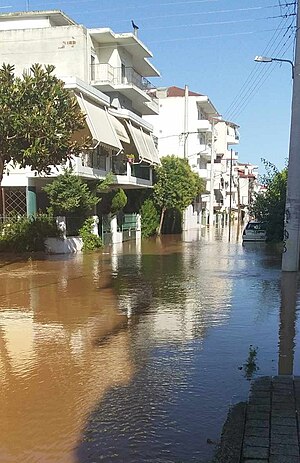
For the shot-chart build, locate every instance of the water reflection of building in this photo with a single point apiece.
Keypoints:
(61, 349)
(184, 292)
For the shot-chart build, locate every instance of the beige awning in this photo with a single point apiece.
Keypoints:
(151, 148)
(120, 129)
(99, 123)
(144, 144)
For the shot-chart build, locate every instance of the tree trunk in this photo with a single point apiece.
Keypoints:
(1, 169)
(173, 222)
(161, 220)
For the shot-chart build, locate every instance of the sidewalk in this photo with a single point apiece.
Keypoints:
(266, 428)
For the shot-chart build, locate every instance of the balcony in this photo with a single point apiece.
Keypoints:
(233, 137)
(129, 83)
(204, 125)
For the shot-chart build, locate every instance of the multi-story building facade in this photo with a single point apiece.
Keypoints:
(189, 126)
(107, 73)
(248, 187)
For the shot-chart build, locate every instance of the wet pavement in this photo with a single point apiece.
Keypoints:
(266, 428)
(135, 354)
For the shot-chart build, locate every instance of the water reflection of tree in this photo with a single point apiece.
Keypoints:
(55, 367)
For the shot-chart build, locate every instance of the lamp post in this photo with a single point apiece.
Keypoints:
(290, 257)
(267, 59)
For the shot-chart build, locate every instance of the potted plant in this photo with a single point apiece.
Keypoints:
(130, 158)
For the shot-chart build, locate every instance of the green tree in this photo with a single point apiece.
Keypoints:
(70, 194)
(38, 118)
(119, 201)
(176, 186)
(150, 218)
(269, 206)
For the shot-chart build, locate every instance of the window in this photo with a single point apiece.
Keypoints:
(202, 137)
(201, 114)
(99, 158)
(123, 73)
(93, 60)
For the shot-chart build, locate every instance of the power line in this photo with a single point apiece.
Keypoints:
(175, 15)
(255, 69)
(215, 23)
(213, 12)
(258, 83)
(255, 73)
(128, 6)
(134, 6)
(100, 47)
(256, 89)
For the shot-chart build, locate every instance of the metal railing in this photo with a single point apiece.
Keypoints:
(105, 73)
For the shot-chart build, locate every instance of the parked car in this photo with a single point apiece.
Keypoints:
(255, 231)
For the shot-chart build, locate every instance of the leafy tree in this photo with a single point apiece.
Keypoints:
(150, 218)
(177, 185)
(68, 193)
(119, 201)
(72, 197)
(269, 207)
(38, 117)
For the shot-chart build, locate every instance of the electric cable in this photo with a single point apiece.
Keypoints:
(255, 69)
(260, 82)
(254, 76)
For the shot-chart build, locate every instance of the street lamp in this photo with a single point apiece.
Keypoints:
(266, 59)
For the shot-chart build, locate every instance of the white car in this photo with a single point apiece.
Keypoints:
(255, 231)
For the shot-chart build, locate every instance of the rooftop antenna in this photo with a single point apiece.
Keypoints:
(135, 28)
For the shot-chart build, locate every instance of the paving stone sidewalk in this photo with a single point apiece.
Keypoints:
(266, 428)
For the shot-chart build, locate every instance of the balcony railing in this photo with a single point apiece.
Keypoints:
(107, 74)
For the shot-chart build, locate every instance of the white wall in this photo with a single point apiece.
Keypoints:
(24, 23)
(169, 127)
(66, 47)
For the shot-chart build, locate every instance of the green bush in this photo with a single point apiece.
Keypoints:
(90, 241)
(68, 193)
(27, 234)
(269, 207)
(150, 218)
(118, 201)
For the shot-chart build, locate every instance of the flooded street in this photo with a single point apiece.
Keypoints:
(135, 354)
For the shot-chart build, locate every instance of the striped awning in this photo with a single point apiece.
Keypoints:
(99, 123)
(144, 144)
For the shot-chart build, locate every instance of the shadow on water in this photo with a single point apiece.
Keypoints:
(160, 415)
(132, 355)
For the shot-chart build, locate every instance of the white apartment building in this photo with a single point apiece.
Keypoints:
(248, 187)
(107, 73)
(189, 126)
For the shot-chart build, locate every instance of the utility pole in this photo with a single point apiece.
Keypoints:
(230, 197)
(239, 207)
(212, 174)
(27, 5)
(290, 257)
(186, 124)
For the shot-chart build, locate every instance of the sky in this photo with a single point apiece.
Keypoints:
(210, 46)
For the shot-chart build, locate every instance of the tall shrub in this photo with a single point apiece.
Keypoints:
(149, 217)
(269, 206)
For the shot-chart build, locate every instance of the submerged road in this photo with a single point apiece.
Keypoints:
(136, 354)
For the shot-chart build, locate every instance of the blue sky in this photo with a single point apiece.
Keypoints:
(210, 45)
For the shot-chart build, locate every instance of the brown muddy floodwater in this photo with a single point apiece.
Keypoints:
(135, 354)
